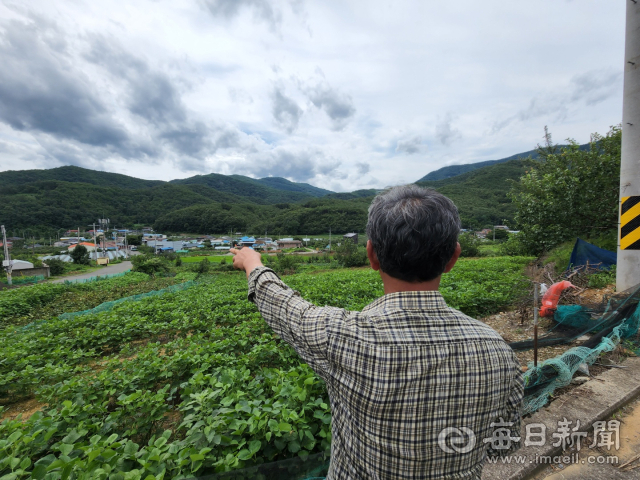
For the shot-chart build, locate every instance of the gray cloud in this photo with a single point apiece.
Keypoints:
(229, 9)
(595, 86)
(410, 146)
(285, 110)
(338, 106)
(362, 168)
(152, 96)
(590, 88)
(42, 93)
(297, 165)
(45, 90)
(445, 133)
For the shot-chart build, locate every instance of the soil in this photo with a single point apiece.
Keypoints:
(26, 408)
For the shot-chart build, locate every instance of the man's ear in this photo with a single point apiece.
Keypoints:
(371, 255)
(454, 259)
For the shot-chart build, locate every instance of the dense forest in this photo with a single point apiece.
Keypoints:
(47, 201)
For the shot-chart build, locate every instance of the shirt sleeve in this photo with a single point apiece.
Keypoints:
(301, 324)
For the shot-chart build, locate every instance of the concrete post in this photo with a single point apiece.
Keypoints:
(628, 270)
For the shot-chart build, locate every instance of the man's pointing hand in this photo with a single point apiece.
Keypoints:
(246, 259)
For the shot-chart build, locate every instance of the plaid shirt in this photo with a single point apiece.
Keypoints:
(399, 373)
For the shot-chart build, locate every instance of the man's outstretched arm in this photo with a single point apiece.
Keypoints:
(299, 323)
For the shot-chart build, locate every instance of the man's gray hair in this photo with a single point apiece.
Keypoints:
(414, 232)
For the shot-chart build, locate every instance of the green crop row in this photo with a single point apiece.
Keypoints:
(26, 304)
(188, 383)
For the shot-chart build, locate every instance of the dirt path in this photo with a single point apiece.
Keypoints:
(108, 270)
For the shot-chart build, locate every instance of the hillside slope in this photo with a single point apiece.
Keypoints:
(249, 188)
(74, 174)
(454, 170)
(481, 195)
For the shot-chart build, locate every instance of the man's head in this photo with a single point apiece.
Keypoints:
(414, 232)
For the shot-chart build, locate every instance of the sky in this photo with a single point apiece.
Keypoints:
(343, 95)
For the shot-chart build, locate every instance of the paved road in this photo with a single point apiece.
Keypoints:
(110, 269)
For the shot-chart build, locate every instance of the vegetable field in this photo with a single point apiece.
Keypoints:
(183, 384)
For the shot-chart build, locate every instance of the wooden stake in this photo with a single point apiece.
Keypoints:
(535, 324)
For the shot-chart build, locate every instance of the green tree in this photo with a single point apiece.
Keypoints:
(134, 239)
(348, 254)
(56, 266)
(149, 264)
(571, 193)
(469, 245)
(80, 255)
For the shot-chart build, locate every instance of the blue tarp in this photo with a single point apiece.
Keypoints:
(597, 257)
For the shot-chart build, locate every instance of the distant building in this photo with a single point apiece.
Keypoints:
(289, 243)
(91, 247)
(17, 264)
(247, 241)
(351, 236)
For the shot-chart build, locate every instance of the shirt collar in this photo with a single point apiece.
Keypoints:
(414, 300)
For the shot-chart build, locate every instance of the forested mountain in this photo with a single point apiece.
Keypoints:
(481, 195)
(264, 191)
(453, 170)
(73, 174)
(47, 201)
(315, 216)
(283, 184)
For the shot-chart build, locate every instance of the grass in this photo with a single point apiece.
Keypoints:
(211, 258)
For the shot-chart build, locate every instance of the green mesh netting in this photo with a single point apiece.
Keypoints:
(106, 306)
(574, 315)
(97, 278)
(25, 280)
(620, 320)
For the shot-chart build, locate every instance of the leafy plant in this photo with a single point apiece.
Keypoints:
(348, 254)
(469, 244)
(569, 194)
(149, 264)
(80, 255)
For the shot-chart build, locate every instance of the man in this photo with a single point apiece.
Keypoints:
(415, 386)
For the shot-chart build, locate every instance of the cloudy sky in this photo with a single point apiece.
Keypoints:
(342, 94)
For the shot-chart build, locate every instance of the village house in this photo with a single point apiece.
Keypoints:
(91, 247)
(289, 243)
(351, 236)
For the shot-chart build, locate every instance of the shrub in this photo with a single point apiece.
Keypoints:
(513, 247)
(469, 245)
(80, 255)
(56, 266)
(149, 264)
(603, 278)
(178, 262)
(348, 254)
(202, 267)
(286, 264)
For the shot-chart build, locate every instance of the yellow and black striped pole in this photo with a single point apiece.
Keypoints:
(628, 271)
(630, 223)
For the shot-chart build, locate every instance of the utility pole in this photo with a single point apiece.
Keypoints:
(7, 256)
(329, 238)
(628, 268)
